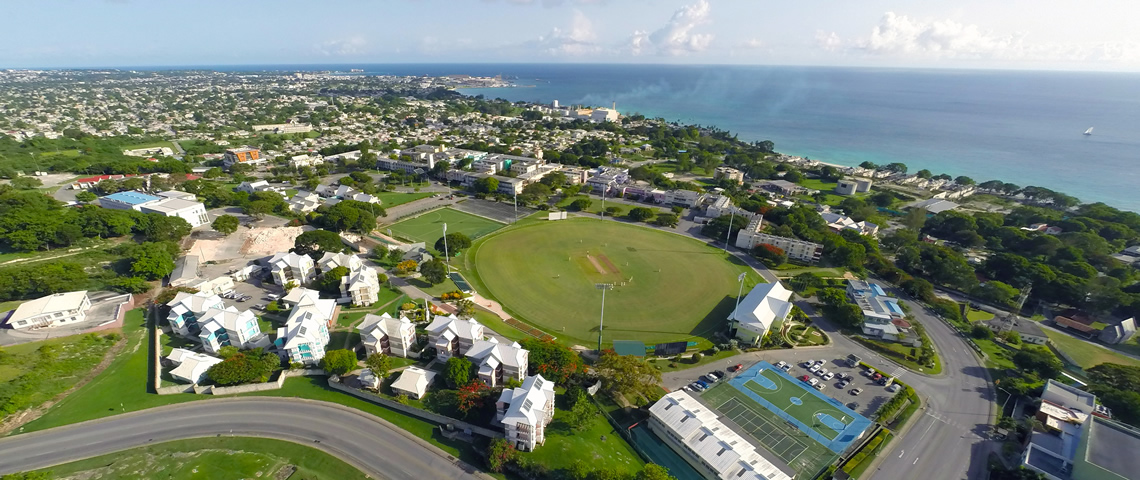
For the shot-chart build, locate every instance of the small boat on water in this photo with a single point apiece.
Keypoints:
(1089, 131)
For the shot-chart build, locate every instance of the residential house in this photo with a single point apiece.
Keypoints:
(255, 186)
(190, 367)
(883, 317)
(716, 451)
(304, 202)
(524, 412)
(187, 308)
(335, 191)
(498, 363)
(332, 260)
(306, 332)
(299, 161)
(452, 336)
(220, 327)
(838, 223)
(1029, 331)
(764, 309)
(51, 311)
(361, 286)
(387, 335)
(304, 297)
(1076, 439)
(414, 382)
(1120, 332)
(728, 173)
(851, 186)
(783, 187)
(291, 267)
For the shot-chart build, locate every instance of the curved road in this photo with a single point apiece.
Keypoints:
(376, 447)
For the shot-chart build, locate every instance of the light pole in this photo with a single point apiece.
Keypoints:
(601, 321)
(727, 236)
(516, 205)
(604, 188)
(739, 293)
(446, 253)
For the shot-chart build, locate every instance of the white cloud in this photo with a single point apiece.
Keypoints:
(751, 43)
(902, 34)
(343, 47)
(828, 41)
(676, 37)
(578, 39)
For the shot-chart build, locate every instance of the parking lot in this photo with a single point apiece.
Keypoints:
(869, 400)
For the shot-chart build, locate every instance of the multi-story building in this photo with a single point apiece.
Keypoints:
(387, 335)
(683, 198)
(243, 156)
(498, 363)
(187, 308)
(51, 311)
(331, 260)
(170, 204)
(714, 449)
(306, 331)
(221, 327)
(524, 412)
(802, 250)
(883, 317)
(1075, 439)
(291, 267)
(361, 286)
(451, 336)
(851, 186)
(728, 173)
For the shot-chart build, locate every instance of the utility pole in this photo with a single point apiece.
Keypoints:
(601, 321)
(739, 293)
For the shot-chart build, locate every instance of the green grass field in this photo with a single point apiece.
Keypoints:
(979, 316)
(1086, 354)
(804, 455)
(391, 199)
(223, 457)
(428, 228)
(544, 273)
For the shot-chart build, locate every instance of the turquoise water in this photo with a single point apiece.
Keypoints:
(1019, 127)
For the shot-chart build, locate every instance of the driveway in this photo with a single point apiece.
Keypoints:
(371, 444)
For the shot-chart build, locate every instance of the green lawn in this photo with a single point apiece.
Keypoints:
(1086, 354)
(391, 199)
(33, 373)
(721, 359)
(807, 336)
(901, 354)
(818, 184)
(428, 228)
(565, 446)
(221, 457)
(676, 288)
(979, 315)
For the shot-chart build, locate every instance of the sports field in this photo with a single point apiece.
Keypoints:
(666, 287)
(428, 227)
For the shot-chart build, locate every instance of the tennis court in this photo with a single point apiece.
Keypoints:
(428, 227)
(779, 437)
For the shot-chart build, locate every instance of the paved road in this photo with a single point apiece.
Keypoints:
(374, 446)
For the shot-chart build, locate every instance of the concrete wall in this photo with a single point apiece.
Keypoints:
(253, 387)
(415, 412)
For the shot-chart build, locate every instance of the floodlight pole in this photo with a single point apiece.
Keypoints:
(739, 293)
(516, 205)
(446, 253)
(601, 321)
(603, 217)
(728, 236)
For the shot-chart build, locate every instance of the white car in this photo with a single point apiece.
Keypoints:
(787, 367)
(819, 386)
(821, 372)
(781, 364)
(807, 364)
(843, 384)
(813, 382)
(814, 368)
(828, 375)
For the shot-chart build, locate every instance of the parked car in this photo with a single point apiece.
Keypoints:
(844, 376)
(843, 384)
(856, 391)
(819, 386)
(787, 368)
(894, 388)
(704, 386)
(736, 367)
(822, 372)
(814, 368)
(807, 364)
(719, 373)
(695, 387)
(828, 376)
(259, 306)
(805, 378)
(272, 296)
(780, 364)
(813, 382)
(853, 405)
(877, 376)
(709, 378)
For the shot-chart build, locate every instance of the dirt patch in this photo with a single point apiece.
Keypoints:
(597, 265)
(253, 242)
(609, 264)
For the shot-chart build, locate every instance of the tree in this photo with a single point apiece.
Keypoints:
(500, 454)
(457, 372)
(379, 363)
(554, 361)
(1038, 360)
(465, 308)
(226, 224)
(641, 214)
(653, 471)
(581, 410)
(257, 209)
(804, 281)
(581, 204)
(315, 243)
(472, 396)
(624, 374)
(151, 260)
(85, 196)
(770, 255)
(455, 241)
(406, 266)
(434, 271)
(964, 180)
(666, 220)
(244, 367)
(981, 332)
(26, 183)
(227, 351)
(339, 361)
(329, 282)
(486, 185)
(159, 228)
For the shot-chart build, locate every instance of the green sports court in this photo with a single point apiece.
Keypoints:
(428, 227)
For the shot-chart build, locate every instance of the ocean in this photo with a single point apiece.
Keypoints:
(1019, 127)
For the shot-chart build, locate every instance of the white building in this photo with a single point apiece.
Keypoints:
(244, 156)
(712, 448)
(190, 367)
(170, 204)
(306, 331)
(751, 235)
(451, 336)
(413, 382)
(851, 186)
(336, 191)
(187, 308)
(525, 412)
(838, 223)
(683, 198)
(304, 202)
(498, 363)
(290, 267)
(255, 186)
(361, 286)
(298, 161)
(728, 173)
(228, 326)
(764, 309)
(387, 335)
(332, 260)
(51, 311)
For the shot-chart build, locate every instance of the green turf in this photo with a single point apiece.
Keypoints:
(33, 373)
(677, 288)
(428, 228)
(1086, 354)
(812, 405)
(391, 199)
(979, 315)
(804, 455)
(223, 457)
(564, 446)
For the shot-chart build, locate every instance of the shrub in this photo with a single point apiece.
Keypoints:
(696, 357)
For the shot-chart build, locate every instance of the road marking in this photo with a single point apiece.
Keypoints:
(915, 461)
(901, 452)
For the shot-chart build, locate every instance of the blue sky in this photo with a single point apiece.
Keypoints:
(1018, 34)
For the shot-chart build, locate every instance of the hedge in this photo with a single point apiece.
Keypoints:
(868, 451)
